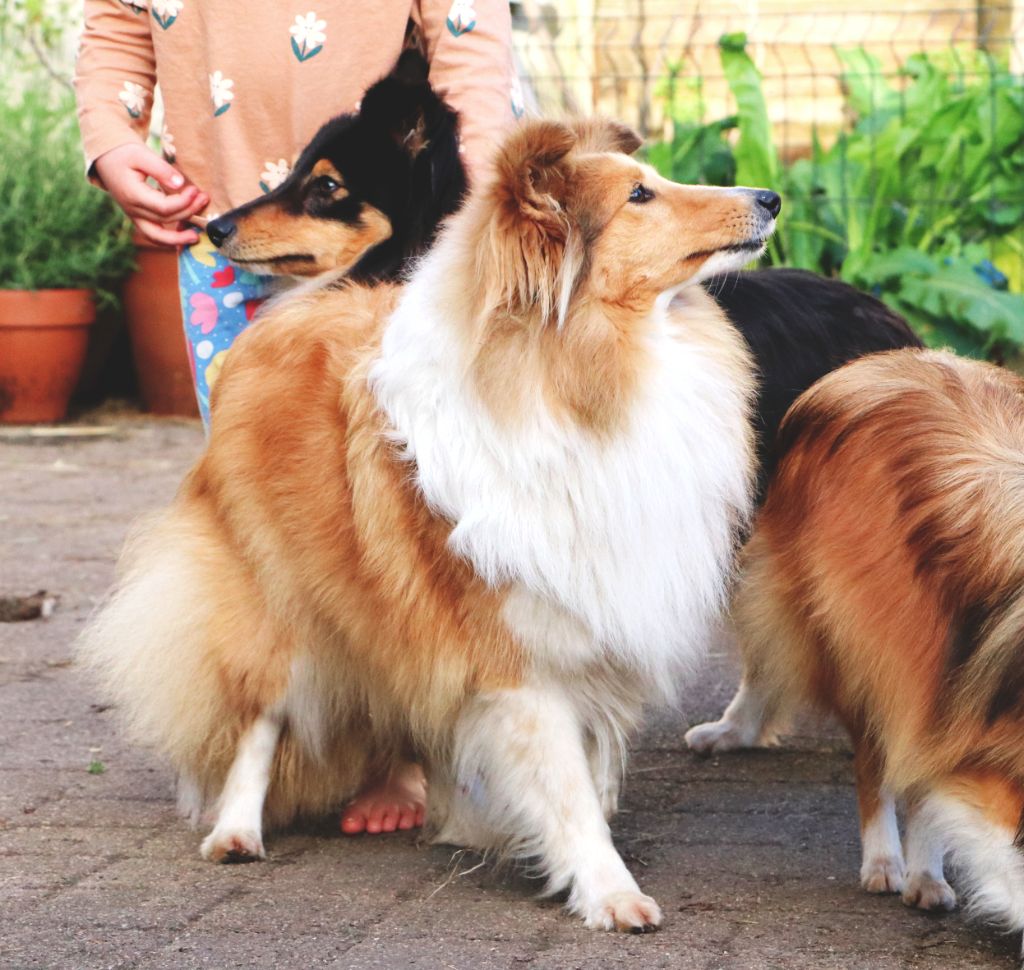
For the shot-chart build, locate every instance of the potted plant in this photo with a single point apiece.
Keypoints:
(66, 248)
(152, 313)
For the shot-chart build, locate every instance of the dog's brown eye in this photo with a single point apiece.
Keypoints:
(326, 184)
(640, 194)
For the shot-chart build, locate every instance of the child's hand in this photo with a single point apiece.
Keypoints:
(124, 170)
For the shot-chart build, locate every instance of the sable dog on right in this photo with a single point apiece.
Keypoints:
(884, 582)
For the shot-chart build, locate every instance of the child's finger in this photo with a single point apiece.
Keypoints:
(166, 237)
(152, 204)
(201, 201)
(166, 175)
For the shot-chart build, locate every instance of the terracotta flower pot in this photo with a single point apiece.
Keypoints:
(43, 336)
(152, 309)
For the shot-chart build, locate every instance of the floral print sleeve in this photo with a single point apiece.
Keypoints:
(469, 46)
(115, 96)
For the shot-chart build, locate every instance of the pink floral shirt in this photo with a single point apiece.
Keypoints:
(246, 85)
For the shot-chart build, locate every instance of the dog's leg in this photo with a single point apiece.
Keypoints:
(882, 868)
(521, 762)
(238, 834)
(975, 816)
(926, 886)
(744, 723)
(190, 798)
(607, 757)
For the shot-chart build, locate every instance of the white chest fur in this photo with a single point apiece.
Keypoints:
(630, 540)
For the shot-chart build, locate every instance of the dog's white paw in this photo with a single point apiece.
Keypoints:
(924, 891)
(882, 874)
(627, 912)
(716, 736)
(233, 846)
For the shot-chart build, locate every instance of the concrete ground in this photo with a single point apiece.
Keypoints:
(753, 857)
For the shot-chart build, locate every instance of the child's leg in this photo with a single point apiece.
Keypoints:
(218, 301)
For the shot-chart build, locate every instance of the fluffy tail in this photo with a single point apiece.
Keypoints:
(162, 645)
(189, 653)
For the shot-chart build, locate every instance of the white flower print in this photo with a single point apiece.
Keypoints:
(133, 97)
(220, 92)
(307, 35)
(461, 17)
(167, 144)
(516, 94)
(273, 174)
(165, 12)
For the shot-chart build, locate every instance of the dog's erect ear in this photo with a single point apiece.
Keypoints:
(531, 258)
(412, 67)
(532, 171)
(404, 107)
(604, 135)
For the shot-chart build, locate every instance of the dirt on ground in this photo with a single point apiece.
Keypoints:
(753, 856)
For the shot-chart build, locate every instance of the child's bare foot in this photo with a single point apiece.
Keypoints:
(397, 801)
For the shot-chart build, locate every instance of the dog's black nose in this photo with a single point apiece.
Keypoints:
(771, 201)
(220, 230)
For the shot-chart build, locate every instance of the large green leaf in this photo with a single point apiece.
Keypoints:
(864, 83)
(756, 161)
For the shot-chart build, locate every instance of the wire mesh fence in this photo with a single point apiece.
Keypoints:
(615, 57)
(894, 130)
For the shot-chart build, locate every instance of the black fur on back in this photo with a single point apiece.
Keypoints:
(801, 326)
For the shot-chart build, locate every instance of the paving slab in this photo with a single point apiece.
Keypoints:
(752, 856)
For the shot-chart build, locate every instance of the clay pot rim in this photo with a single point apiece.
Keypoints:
(47, 308)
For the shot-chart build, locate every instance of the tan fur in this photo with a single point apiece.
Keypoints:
(303, 533)
(301, 245)
(885, 575)
(574, 187)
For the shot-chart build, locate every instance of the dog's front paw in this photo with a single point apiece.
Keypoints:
(924, 891)
(627, 912)
(233, 846)
(882, 874)
(715, 736)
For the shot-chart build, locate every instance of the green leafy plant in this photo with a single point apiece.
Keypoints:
(695, 152)
(62, 233)
(921, 201)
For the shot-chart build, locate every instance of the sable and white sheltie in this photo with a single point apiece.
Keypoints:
(885, 582)
(481, 519)
(369, 191)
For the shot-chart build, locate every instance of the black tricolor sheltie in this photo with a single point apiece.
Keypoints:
(367, 194)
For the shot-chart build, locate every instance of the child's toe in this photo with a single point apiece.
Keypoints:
(352, 823)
